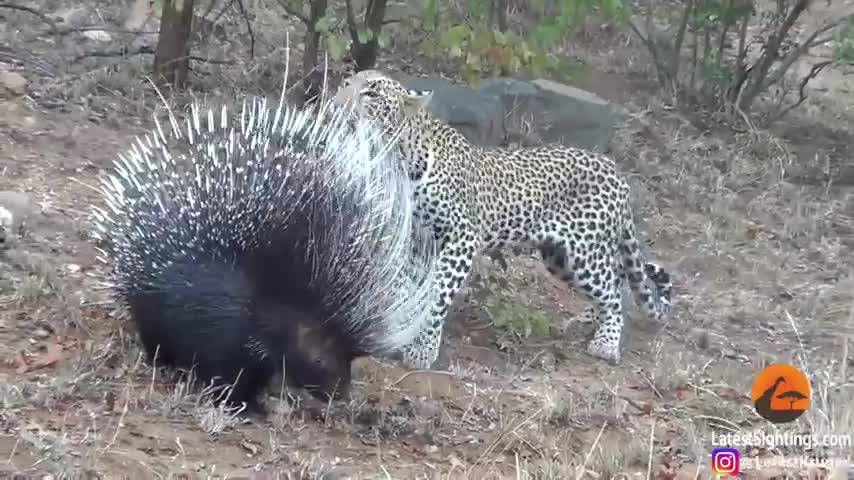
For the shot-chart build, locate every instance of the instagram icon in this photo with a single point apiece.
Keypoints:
(725, 462)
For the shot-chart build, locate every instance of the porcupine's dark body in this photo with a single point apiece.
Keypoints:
(282, 241)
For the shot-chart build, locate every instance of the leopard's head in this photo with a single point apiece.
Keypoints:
(372, 94)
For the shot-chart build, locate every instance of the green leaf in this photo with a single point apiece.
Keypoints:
(364, 36)
(501, 38)
(428, 47)
(612, 8)
(383, 40)
(482, 40)
(336, 45)
(324, 24)
(455, 36)
(431, 14)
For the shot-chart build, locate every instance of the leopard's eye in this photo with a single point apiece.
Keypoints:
(370, 93)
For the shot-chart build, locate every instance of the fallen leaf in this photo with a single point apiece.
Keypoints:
(110, 402)
(97, 35)
(48, 358)
(21, 366)
(770, 473)
(249, 447)
(684, 393)
(648, 407)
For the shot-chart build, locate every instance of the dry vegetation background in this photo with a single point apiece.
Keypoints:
(754, 222)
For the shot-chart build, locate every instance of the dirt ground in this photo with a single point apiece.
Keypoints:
(757, 227)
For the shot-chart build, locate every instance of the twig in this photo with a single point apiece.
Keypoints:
(248, 27)
(293, 12)
(33, 11)
(101, 28)
(759, 77)
(412, 372)
(501, 436)
(124, 52)
(351, 22)
(582, 469)
(651, 443)
(811, 41)
(210, 9)
(680, 38)
(802, 96)
(218, 15)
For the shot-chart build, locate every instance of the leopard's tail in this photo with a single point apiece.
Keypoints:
(657, 305)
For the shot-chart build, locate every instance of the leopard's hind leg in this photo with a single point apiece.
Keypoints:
(595, 274)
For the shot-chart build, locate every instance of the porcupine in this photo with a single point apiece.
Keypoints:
(277, 240)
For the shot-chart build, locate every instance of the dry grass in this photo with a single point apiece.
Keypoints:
(760, 256)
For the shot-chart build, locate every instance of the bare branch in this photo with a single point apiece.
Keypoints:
(351, 22)
(44, 18)
(33, 11)
(680, 38)
(248, 27)
(204, 40)
(769, 55)
(802, 96)
(293, 12)
(649, 42)
(11, 55)
(796, 53)
(145, 50)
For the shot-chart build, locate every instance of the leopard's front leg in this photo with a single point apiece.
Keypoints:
(455, 262)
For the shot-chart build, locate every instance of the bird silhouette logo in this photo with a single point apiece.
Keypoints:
(781, 393)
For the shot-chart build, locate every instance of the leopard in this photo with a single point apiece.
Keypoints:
(570, 204)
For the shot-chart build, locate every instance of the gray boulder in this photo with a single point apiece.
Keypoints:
(477, 116)
(559, 113)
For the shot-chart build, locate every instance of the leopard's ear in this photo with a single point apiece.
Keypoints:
(414, 101)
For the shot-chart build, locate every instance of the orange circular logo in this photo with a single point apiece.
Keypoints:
(781, 393)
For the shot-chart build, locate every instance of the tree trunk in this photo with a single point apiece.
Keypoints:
(172, 56)
(365, 54)
(312, 81)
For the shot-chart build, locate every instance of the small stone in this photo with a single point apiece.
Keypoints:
(13, 82)
(98, 35)
(6, 218)
(15, 209)
(73, 17)
(41, 333)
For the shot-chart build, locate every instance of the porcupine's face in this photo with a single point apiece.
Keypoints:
(317, 357)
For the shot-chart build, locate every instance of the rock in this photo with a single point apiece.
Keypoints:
(560, 113)
(430, 384)
(142, 18)
(5, 225)
(15, 209)
(71, 17)
(98, 35)
(13, 82)
(138, 15)
(479, 117)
